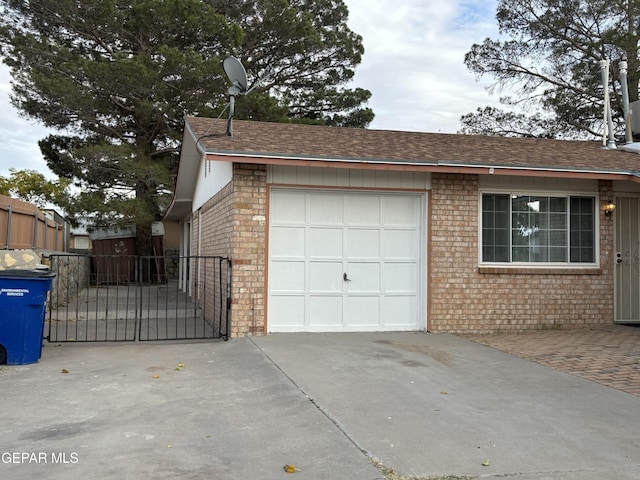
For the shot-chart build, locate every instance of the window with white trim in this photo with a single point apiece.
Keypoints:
(520, 228)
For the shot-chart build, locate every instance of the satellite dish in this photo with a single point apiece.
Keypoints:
(239, 85)
(237, 75)
(238, 78)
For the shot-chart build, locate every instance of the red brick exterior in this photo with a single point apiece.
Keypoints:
(466, 298)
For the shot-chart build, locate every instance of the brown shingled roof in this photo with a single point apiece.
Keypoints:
(310, 142)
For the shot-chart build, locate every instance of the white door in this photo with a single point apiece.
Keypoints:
(345, 261)
(627, 279)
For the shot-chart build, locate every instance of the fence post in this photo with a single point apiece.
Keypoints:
(35, 230)
(139, 297)
(8, 242)
(229, 278)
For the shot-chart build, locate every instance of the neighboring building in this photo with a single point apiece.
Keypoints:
(62, 226)
(122, 241)
(114, 255)
(336, 229)
(165, 236)
(79, 241)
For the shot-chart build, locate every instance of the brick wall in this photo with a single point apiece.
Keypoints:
(233, 225)
(464, 298)
(215, 218)
(249, 250)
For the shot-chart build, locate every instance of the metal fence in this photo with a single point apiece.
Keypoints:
(114, 298)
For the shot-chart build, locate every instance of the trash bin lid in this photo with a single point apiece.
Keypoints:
(18, 273)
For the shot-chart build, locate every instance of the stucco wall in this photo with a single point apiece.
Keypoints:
(465, 298)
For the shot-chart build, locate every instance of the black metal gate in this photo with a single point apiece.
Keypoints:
(116, 298)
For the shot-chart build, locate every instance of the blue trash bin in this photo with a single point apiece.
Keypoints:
(23, 298)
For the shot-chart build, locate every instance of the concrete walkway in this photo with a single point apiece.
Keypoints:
(424, 405)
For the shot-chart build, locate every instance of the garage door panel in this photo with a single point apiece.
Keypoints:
(363, 243)
(325, 277)
(363, 277)
(362, 209)
(400, 278)
(288, 207)
(325, 311)
(287, 277)
(325, 242)
(284, 310)
(325, 209)
(401, 211)
(400, 244)
(287, 242)
(363, 311)
(398, 311)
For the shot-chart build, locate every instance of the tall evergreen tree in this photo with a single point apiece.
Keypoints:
(310, 52)
(548, 54)
(115, 78)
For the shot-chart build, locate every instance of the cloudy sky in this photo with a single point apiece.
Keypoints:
(413, 65)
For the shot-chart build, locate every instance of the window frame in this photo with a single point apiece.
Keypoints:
(540, 193)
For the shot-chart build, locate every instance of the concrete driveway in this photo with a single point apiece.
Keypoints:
(422, 404)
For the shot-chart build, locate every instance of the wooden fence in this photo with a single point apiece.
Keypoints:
(23, 226)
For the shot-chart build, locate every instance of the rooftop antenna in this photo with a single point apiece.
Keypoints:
(238, 78)
(625, 102)
(608, 121)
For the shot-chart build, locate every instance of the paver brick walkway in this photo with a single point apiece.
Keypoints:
(609, 355)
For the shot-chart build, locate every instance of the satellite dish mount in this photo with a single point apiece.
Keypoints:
(239, 86)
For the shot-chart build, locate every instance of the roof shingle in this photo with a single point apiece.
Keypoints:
(296, 141)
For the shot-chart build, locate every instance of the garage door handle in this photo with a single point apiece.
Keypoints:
(345, 278)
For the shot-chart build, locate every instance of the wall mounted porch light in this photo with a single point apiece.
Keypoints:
(609, 208)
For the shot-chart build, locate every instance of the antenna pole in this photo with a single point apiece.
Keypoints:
(604, 72)
(232, 103)
(625, 102)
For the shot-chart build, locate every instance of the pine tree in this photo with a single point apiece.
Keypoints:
(115, 79)
(548, 55)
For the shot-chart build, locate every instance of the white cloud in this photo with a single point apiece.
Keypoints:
(414, 60)
(18, 136)
(413, 65)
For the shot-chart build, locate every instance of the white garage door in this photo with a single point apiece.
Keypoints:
(345, 261)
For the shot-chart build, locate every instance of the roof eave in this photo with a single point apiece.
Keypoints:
(432, 167)
(188, 166)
